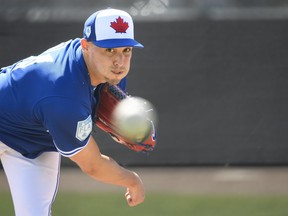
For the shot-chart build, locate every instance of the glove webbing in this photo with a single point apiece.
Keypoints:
(117, 92)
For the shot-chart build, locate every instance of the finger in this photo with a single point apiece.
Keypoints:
(127, 195)
(129, 200)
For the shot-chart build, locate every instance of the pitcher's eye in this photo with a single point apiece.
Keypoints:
(110, 50)
(128, 49)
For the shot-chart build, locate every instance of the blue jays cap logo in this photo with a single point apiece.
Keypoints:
(120, 26)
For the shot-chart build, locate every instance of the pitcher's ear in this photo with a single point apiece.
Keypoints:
(84, 44)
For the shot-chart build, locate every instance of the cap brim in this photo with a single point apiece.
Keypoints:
(115, 43)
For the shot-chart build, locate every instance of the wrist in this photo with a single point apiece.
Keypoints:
(136, 180)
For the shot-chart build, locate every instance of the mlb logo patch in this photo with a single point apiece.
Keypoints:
(88, 31)
(84, 128)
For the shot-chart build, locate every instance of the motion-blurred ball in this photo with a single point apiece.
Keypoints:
(135, 117)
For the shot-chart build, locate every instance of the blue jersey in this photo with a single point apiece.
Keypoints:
(46, 102)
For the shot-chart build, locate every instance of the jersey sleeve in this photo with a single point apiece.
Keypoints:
(68, 122)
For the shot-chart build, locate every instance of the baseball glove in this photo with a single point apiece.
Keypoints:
(110, 96)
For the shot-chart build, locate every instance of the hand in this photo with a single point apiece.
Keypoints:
(136, 194)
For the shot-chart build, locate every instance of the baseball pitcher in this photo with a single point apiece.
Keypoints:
(49, 104)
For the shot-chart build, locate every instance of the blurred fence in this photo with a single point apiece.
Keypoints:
(219, 84)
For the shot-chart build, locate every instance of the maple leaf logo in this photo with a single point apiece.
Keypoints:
(119, 26)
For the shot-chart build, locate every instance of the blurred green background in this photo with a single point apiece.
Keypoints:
(158, 204)
(181, 191)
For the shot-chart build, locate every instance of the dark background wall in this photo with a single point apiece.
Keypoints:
(220, 86)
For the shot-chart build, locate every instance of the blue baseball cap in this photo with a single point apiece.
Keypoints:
(110, 28)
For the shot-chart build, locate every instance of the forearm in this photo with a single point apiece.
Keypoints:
(108, 171)
(105, 169)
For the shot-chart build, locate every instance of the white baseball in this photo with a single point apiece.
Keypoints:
(133, 116)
